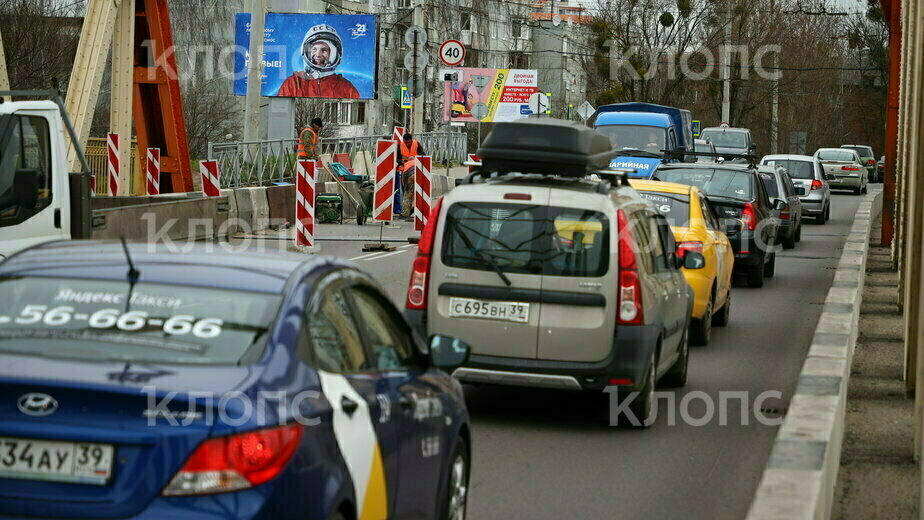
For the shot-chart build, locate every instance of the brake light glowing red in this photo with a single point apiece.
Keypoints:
(749, 217)
(236, 462)
(629, 308)
(518, 196)
(870, 162)
(816, 185)
(850, 168)
(420, 272)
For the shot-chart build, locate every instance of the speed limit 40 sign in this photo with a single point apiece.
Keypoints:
(452, 52)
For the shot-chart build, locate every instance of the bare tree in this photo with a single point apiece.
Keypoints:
(40, 40)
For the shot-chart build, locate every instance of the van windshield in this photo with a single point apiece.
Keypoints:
(527, 239)
(635, 137)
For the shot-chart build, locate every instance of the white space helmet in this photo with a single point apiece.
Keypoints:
(322, 33)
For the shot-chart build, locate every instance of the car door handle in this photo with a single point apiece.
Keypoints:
(348, 405)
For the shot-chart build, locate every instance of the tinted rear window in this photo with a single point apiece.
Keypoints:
(527, 239)
(109, 320)
(796, 169)
(835, 155)
(718, 183)
(674, 207)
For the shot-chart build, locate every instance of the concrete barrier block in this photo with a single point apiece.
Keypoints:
(360, 166)
(259, 206)
(181, 220)
(281, 200)
(245, 213)
(233, 226)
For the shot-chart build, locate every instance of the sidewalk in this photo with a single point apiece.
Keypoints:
(878, 477)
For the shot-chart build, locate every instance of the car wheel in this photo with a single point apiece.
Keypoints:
(721, 318)
(790, 241)
(338, 516)
(756, 275)
(457, 481)
(643, 404)
(770, 268)
(798, 236)
(828, 212)
(701, 329)
(865, 189)
(676, 377)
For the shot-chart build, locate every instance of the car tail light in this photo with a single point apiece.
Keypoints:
(420, 273)
(749, 217)
(630, 310)
(816, 185)
(870, 162)
(683, 247)
(518, 196)
(236, 462)
(850, 168)
(784, 214)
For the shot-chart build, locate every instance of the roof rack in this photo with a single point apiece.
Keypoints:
(621, 174)
(750, 158)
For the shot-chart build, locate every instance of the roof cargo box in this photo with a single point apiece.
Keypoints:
(546, 146)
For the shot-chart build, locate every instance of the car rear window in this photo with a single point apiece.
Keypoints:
(835, 155)
(526, 239)
(717, 183)
(727, 139)
(796, 169)
(863, 151)
(674, 207)
(143, 322)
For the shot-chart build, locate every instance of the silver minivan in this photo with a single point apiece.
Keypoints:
(555, 281)
(810, 182)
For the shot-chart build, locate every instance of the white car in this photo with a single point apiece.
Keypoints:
(844, 167)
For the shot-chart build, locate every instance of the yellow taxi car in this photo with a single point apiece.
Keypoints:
(696, 227)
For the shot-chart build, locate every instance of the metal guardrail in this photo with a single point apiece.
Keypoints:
(260, 163)
(97, 153)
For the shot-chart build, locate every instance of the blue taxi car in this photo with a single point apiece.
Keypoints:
(140, 383)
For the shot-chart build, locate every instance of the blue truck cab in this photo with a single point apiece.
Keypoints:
(641, 131)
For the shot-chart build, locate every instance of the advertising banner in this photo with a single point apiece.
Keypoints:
(312, 55)
(505, 93)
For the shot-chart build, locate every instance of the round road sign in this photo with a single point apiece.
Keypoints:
(452, 52)
(415, 32)
(423, 59)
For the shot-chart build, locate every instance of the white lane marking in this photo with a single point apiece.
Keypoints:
(365, 256)
(385, 256)
(408, 246)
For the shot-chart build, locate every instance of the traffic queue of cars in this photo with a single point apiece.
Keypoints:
(545, 268)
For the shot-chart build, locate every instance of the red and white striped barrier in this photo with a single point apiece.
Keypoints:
(152, 172)
(114, 163)
(383, 198)
(304, 203)
(398, 134)
(210, 177)
(473, 158)
(422, 189)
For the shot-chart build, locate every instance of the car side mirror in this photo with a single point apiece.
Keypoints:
(779, 204)
(448, 353)
(753, 146)
(694, 260)
(26, 186)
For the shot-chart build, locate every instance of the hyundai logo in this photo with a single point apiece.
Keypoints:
(36, 404)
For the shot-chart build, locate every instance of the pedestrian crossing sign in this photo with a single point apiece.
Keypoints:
(405, 98)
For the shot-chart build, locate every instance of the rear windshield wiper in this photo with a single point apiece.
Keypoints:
(478, 253)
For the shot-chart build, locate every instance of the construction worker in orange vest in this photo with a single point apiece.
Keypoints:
(409, 149)
(308, 140)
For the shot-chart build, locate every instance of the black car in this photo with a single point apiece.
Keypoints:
(741, 199)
